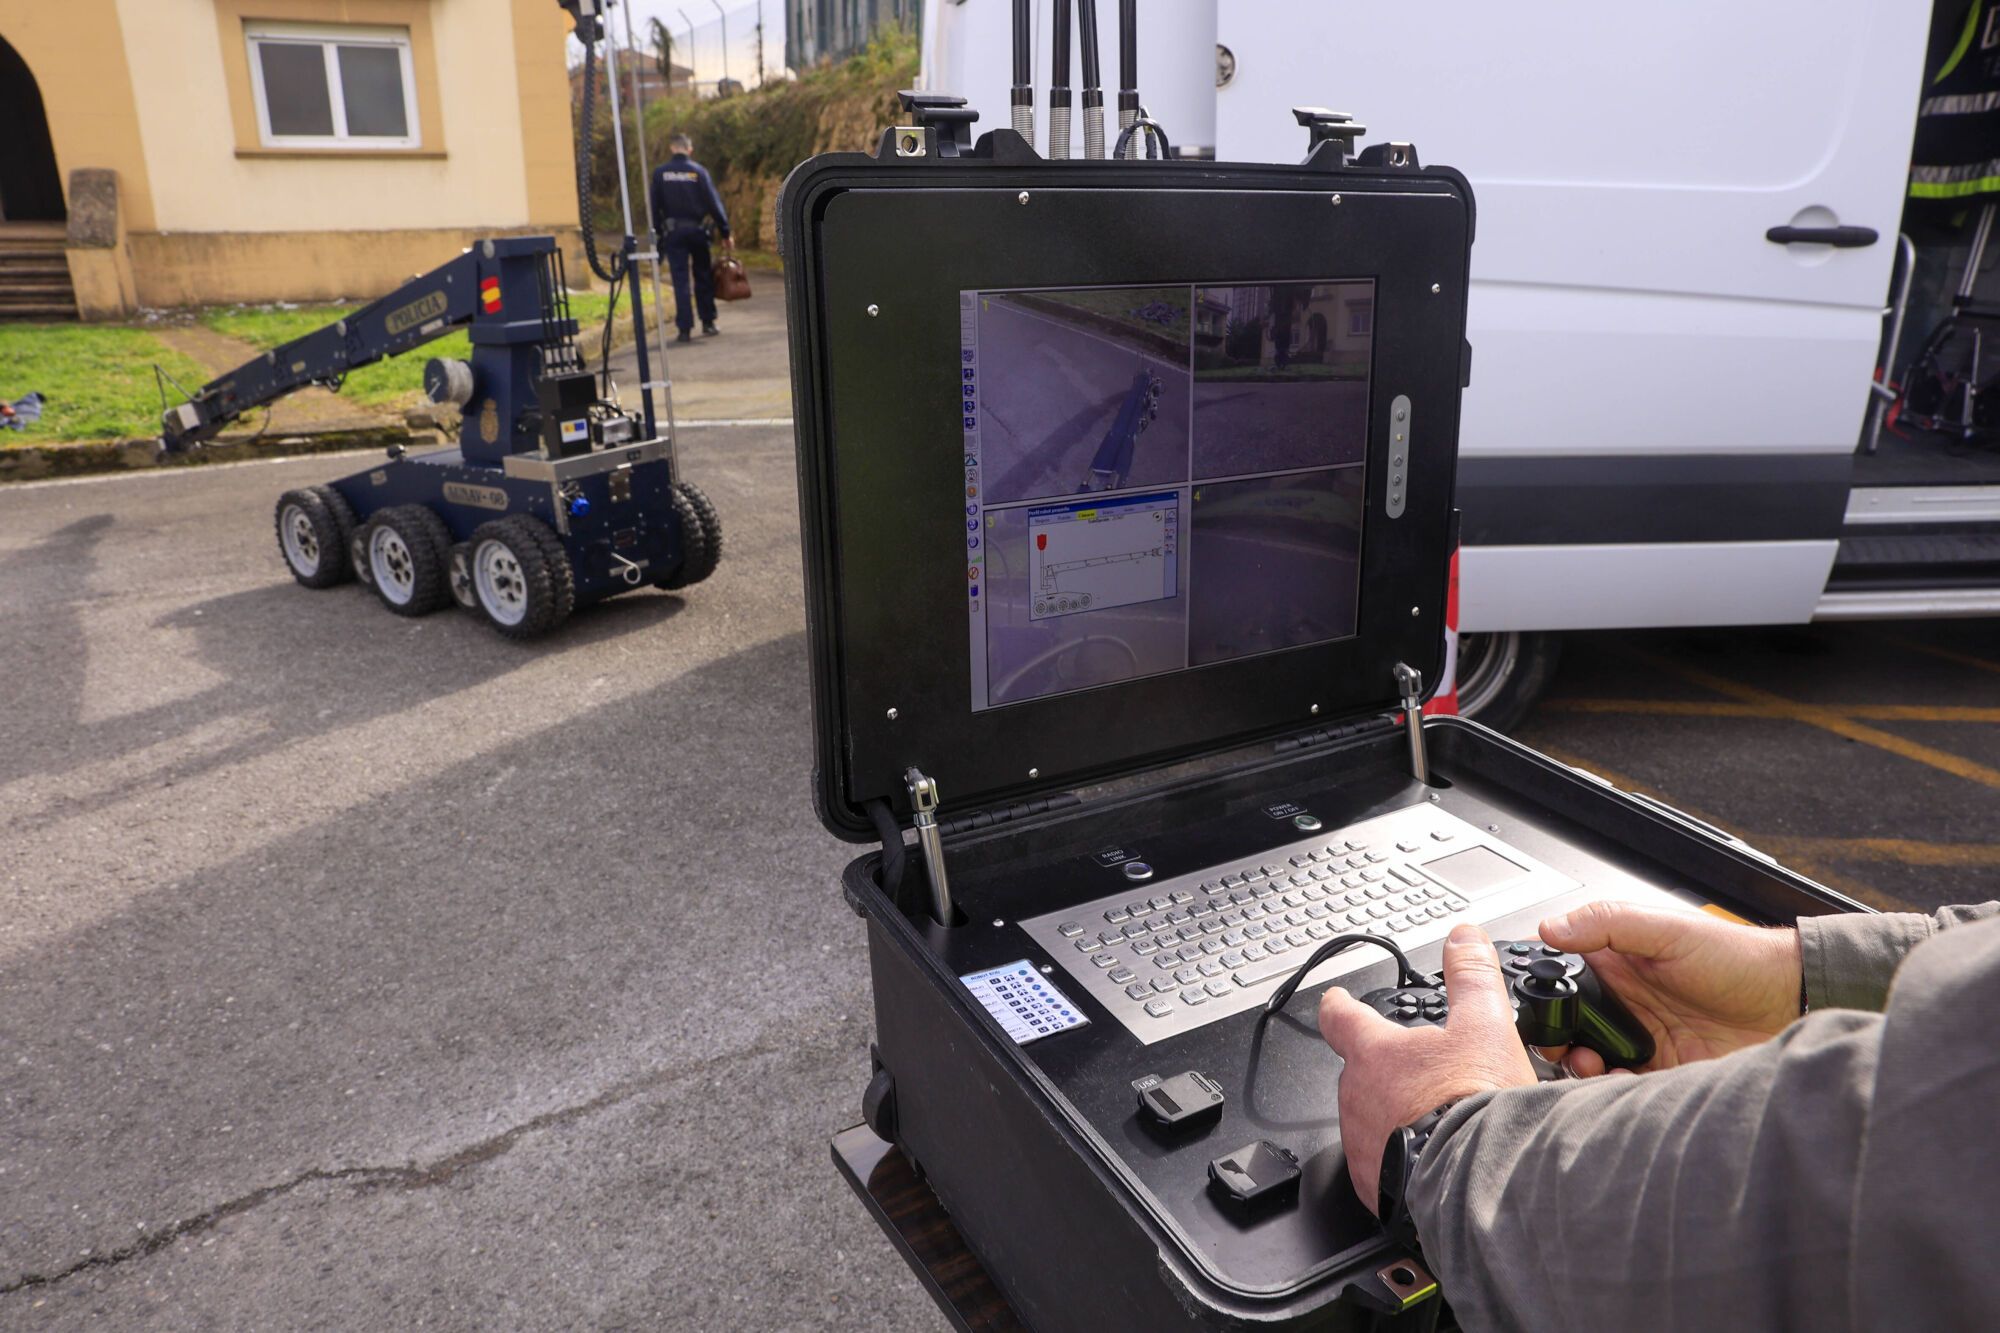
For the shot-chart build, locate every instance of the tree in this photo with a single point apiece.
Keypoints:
(662, 43)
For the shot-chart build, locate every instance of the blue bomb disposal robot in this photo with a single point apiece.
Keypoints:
(555, 497)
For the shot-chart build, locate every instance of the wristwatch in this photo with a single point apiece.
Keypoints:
(1399, 1164)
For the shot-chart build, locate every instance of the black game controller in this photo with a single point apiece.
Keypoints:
(1558, 1001)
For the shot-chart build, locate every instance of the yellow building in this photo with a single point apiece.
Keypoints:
(176, 152)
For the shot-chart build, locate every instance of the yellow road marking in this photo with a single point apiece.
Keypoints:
(1828, 720)
(1903, 851)
(1803, 864)
(1719, 708)
(1933, 650)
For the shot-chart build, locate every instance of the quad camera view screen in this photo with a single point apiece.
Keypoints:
(1159, 478)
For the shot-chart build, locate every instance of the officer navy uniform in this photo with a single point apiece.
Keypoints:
(683, 194)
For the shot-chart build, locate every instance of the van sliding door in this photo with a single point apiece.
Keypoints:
(1665, 400)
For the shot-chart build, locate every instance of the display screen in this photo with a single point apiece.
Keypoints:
(1159, 478)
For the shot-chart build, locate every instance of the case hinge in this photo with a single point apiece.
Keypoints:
(1323, 735)
(980, 819)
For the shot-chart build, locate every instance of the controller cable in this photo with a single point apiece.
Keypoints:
(1406, 975)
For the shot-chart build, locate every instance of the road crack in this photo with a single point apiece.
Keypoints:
(365, 1179)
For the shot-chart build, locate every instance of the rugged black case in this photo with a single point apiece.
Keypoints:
(1061, 1212)
(1081, 1219)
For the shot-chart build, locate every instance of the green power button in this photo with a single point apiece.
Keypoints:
(1306, 823)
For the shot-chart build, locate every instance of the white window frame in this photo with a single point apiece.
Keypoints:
(329, 39)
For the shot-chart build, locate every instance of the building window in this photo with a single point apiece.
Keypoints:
(333, 87)
(1360, 318)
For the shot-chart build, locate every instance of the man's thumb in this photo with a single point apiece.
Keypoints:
(1639, 931)
(1472, 979)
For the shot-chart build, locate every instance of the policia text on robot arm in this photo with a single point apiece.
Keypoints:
(683, 195)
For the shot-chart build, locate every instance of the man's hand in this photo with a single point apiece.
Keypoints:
(729, 245)
(1702, 986)
(1396, 1074)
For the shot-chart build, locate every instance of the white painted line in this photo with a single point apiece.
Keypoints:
(198, 468)
(190, 470)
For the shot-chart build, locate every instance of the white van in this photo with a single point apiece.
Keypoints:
(1669, 411)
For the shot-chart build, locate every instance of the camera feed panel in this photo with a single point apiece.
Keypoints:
(1082, 390)
(1159, 478)
(1281, 376)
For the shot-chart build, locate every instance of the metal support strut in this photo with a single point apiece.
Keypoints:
(924, 799)
(1411, 682)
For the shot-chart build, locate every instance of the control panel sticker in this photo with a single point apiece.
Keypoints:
(1025, 1003)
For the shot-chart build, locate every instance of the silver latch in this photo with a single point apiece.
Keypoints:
(924, 800)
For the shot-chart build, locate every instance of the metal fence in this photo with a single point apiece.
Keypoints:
(817, 30)
(733, 50)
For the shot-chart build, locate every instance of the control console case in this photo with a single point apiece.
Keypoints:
(1126, 495)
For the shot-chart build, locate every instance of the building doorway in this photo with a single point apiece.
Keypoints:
(30, 184)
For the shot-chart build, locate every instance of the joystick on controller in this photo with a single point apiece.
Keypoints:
(1558, 1001)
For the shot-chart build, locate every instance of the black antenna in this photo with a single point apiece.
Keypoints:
(1128, 67)
(1023, 109)
(1093, 92)
(1059, 82)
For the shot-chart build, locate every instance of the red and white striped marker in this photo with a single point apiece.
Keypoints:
(1445, 701)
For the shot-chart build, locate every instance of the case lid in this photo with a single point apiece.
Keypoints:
(1104, 464)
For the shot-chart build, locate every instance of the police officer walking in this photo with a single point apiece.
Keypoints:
(683, 195)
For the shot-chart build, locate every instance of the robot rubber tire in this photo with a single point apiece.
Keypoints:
(314, 526)
(521, 580)
(701, 529)
(406, 548)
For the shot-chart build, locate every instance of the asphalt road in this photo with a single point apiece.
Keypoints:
(1052, 390)
(363, 972)
(1242, 427)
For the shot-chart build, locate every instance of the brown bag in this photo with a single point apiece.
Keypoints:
(731, 282)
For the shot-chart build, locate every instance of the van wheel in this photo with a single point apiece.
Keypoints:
(1501, 675)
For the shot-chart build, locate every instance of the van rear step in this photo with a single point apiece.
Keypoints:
(1928, 559)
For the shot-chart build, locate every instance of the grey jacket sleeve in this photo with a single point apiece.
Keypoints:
(1840, 1176)
(1850, 957)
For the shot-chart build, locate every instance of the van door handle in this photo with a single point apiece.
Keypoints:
(1840, 238)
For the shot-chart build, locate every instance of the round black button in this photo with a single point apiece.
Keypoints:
(1547, 969)
(1307, 823)
(1138, 870)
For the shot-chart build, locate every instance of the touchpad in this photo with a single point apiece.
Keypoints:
(1475, 870)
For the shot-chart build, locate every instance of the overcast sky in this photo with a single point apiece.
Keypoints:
(708, 36)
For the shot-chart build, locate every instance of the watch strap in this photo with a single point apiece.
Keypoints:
(1399, 1163)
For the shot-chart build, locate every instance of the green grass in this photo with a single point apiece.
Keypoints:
(386, 382)
(98, 380)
